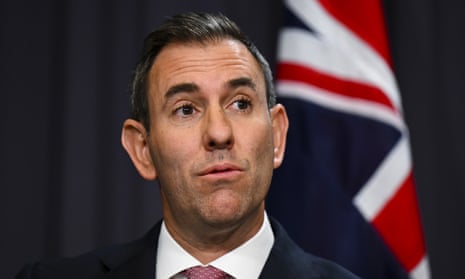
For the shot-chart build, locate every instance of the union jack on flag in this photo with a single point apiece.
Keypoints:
(345, 190)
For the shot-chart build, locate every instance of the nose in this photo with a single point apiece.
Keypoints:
(218, 130)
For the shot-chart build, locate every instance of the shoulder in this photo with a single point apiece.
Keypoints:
(288, 260)
(323, 268)
(84, 266)
(93, 264)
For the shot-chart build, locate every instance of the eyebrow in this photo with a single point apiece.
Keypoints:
(242, 81)
(192, 87)
(182, 87)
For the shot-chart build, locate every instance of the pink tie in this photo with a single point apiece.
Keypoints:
(205, 272)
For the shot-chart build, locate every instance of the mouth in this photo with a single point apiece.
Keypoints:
(221, 171)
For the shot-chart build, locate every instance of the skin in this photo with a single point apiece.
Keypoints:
(213, 144)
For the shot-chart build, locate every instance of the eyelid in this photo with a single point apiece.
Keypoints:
(242, 98)
(176, 99)
(182, 103)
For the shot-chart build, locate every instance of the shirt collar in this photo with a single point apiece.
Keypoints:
(244, 262)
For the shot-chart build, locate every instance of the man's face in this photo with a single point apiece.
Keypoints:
(211, 137)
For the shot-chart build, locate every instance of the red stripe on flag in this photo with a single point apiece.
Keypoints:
(363, 17)
(295, 72)
(399, 225)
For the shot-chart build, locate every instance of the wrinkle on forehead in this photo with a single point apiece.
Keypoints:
(177, 63)
(202, 58)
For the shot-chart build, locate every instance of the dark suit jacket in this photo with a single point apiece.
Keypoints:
(137, 260)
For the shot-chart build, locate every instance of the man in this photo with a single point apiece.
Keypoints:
(205, 124)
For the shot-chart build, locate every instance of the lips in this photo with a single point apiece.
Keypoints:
(225, 170)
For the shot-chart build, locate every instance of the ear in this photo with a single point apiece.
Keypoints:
(134, 140)
(280, 124)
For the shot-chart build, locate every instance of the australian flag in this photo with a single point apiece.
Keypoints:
(345, 190)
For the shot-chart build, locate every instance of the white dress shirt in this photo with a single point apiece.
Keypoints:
(244, 262)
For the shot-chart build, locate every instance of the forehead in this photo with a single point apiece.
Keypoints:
(195, 62)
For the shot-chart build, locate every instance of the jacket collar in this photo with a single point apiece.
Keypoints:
(137, 259)
(284, 257)
(133, 260)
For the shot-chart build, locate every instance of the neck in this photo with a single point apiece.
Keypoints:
(207, 242)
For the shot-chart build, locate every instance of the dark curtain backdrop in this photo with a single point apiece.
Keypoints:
(66, 184)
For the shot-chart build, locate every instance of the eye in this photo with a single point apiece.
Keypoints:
(184, 110)
(242, 104)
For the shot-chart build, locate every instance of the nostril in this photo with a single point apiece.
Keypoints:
(219, 145)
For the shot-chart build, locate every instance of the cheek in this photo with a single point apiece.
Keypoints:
(261, 146)
(262, 143)
(172, 149)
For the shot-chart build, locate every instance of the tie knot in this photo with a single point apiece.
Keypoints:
(205, 272)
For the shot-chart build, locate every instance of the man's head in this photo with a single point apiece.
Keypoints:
(189, 28)
(213, 134)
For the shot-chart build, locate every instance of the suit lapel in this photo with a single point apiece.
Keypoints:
(141, 266)
(137, 259)
(286, 259)
(280, 259)
(133, 260)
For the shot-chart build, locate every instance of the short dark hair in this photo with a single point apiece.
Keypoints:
(189, 28)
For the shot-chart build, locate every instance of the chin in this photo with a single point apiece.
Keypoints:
(226, 208)
(223, 215)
